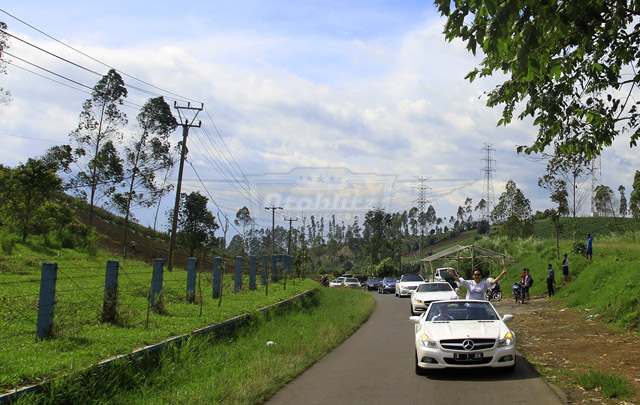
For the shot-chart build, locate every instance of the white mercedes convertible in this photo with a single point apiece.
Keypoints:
(463, 334)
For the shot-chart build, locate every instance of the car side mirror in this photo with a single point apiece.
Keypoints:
(457, 290)
(414, 319)
(507, 318)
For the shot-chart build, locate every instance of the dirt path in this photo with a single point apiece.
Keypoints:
(559, 341)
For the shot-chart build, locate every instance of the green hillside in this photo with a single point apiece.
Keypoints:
(596, 226)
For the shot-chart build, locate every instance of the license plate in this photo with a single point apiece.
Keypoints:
(468, 356)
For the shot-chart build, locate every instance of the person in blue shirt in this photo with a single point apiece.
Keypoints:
(589, 247)
(551, 280)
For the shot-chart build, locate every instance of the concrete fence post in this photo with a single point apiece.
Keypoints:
(253, 269)
(238, 275)
(48, 279)
(217, 277)
(191, 279)
(265, 269)
(110, 302)
(274, 268)
(156, 280)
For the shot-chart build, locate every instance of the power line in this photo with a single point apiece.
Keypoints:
(97, 60)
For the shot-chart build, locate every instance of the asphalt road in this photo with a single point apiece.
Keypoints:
(376, 366)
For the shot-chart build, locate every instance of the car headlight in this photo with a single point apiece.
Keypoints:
(426, 342)
(507, 340)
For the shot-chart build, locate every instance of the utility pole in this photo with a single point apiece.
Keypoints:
(289, 242)
(185, 124)
(273, 209)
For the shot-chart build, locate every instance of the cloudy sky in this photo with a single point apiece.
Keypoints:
(315, 106)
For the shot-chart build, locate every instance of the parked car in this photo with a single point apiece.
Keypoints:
(426, 293)
(372, 283)
(387, 284)
(407, 284)
(463, 334)
(351, 282)
(337, 282)
(442, 274)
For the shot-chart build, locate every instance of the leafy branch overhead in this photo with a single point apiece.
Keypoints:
(571, 66)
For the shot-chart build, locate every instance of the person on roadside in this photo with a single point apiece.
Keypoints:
(589, 248)
(526, 283)
(551, 280)
(476, 289)
(565, 268)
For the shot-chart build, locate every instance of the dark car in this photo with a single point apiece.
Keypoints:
(372, 283)
(387, 284)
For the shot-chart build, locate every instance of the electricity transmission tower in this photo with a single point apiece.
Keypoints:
(487, 189)
(422, 202)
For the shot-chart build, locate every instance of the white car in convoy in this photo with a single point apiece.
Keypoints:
(407, 284)
(351, 282)
(337, 282)
(463, 334)
(426, 293)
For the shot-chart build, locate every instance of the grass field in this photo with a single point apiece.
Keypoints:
(79, 338)
(237, 369)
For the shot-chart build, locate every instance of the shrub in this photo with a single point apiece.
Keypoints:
(8, 240)
(579, 248)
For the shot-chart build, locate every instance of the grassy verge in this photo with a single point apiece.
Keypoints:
(609, 384)
(79, 338)
(238, 369)
(607, 289)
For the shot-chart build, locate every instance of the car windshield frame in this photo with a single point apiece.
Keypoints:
(463, 311)
(412, 277)
(434, 287)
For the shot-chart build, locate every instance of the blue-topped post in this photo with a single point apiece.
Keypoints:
(217, 277)
(48, 279)
(274, 268)
(156, 280)
(191, 279)
(238, 276)
(265, 269)
(253, 269)
(110, 303)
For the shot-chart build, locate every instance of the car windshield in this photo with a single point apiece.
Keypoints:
(412, 277)
(351, 280)
(434, 287)
(445, 272)
(461, 311)
(389, 279)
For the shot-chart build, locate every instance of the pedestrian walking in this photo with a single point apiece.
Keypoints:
(551, 280)
(565, 268)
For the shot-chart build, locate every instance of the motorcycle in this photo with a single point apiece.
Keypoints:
(494, 293)
(518, 292)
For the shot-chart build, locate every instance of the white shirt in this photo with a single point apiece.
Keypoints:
(475, 291)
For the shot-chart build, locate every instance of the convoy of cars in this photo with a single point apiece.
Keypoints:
(449, 332)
